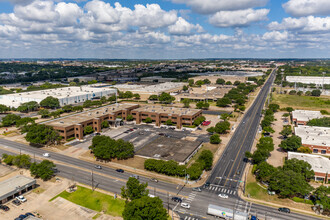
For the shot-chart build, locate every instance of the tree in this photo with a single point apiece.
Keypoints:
(44, 169)
(87, 104)
(153, 97)
(259, 156)
(191, 82)
(305, 150)
(72, 83)
(105, 124)
(308, 93)
(236, 83)
(3, 108)
(103, 99)
(148, 120)
(28, 106)
(292, 92)
(321, 195)
(320, 122)
(199, 120)
(288, 183)
(299, 166)
(50, 102)
(129, 118)
(78, 108)
(57, 113)
(186, 103)
(185, 88)
(112, 98)
(210, 130)
(299, 93)
(169, 122)
(22, 161)
(207, 81)
(145, 208)
(289, 109)
(202, 105)
(286, 131)
(137, 96)
(8, 159)
(24, 121)
(44, 113)
(220, 81)
(134, 189)
(206, 159)
(285, 115)
(316, 92)
(228, 83)
(291, 143)
(268, 129)
(248, 154)
(10, 119)
(222, 127)
(200, 82)
(223, 102)
(88, 130)
(264, 171)
(41, 134)
(224, 116)
(166, 98)
(274, 107)
(215, 139)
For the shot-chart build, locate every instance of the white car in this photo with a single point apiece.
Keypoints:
(224, 196)
(46, 154)
(21, 198)
(185, 205)
(151, 196)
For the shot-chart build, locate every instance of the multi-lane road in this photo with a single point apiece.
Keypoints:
(225, 176)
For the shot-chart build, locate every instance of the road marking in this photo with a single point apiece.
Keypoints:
(234, 192)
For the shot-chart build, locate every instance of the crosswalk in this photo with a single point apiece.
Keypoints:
(191, 197)
(190, 218)
(219, 189)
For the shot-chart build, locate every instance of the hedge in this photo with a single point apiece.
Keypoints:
(306, 201)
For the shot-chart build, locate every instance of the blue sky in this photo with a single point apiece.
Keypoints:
(164, 29)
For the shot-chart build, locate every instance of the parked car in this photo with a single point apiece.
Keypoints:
(154, 179)
(46, 154)
(161, 134)
(176, 199)
(224, 196)
(120, 170)
(207, 184)
(16, 202)
(98, 133)
(98, 167)
(151, 196)
(198, 128)
(283, 209)
(206, 123)
(185, 205)
(22, 216)
(198, 189)
(135, 176)
(131, 129)
(4, 207)
(29, 214)
(21, 198)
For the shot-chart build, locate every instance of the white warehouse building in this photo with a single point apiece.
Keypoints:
(66, 95)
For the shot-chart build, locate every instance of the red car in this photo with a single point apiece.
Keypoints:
(206, 123)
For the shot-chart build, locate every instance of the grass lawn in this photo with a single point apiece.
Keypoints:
(303, 102)
(206, 146)
(94, 200)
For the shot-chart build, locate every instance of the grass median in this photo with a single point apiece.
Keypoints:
(94, 200)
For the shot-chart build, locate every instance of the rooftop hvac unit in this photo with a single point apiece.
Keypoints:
(47, 93)
(89, 113)
(62, 122)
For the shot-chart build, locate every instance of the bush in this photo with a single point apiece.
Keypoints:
(301, 200)
(147, 120)
(206, 159)
(215, 139)
(70, 139)
(88, 130)
(129, 118)
(199, 120)
(105, 124)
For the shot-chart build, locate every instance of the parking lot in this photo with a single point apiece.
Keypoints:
(141, 135)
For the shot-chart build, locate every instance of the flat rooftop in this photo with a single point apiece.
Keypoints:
(305, 115)
(167, 148)
(309, 79)
(319, 163)
(312, 135)
(211, 92)
(157, 88)
(87, 115)
(168, 110)
(14, 184)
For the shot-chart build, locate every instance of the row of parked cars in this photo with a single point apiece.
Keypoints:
(24, 216)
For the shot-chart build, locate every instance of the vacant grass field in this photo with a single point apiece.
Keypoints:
(301, 102)
(94, 200)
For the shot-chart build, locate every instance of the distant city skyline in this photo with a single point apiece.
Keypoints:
(164, 29)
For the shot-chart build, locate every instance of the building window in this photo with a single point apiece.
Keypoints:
(315, 151)
(133, 113)
(164, 116)
(323, 151)
(173, 117)
(153, 116)
(76, 129)
(77, 135)
(95, 122)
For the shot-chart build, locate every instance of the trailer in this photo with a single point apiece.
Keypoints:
(226, 213)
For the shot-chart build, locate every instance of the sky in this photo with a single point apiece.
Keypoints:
(164, 29)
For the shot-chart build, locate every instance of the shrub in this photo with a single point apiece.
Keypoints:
(70, 139)
(215, 139)
(301, 200)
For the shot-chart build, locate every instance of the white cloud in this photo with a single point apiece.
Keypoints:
(238, 18)
(275, 36)
(300, 8)
(302, 25)
(182, 27)
(212, 6)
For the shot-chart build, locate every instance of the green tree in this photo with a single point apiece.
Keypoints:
(316, 92)
(199, 120)
(50, 102)
(186, 103)
(44, 169)
(200, 82)
(299, 93)
(134, 189)
(41, 134)
(236, 83)
(289, 109)
(202, 105)
(112, 98)
(222, 127)
(191, 82)
(286, 131)
(291, 143)
(308, 93)
(321, 195)
(224, 116)
(299, 166)
(137, 96)
(10, 119)
(288, 183)
(8, 159)
(292, 92)
(153, 97)
(72, 84)
(103, 99)
(207, 81)
(320, 122)
(273, 107)
(228, 83)
(169, 122)
(3, 108)
(28, 107)
(88, 130)
(264, 171)
(22, 161)
(248, 154)
(78, 108)
(166, 98)
(57, 113)
(220, 81)
(215, 139)
(24, 121)
(305, 150)
(211, 129)
(44, 113)
(88, 104)
(105, 124)
(148, 120)
(129, 118)
(223, 102)
(185, 88)
(145, 208)
(206, 159)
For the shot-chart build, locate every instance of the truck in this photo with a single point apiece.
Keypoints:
(226, 213)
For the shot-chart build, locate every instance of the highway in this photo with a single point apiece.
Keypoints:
(224, 178)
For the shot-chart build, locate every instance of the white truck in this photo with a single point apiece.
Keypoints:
(226, 213)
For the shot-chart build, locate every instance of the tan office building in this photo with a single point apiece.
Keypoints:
(160, 114)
